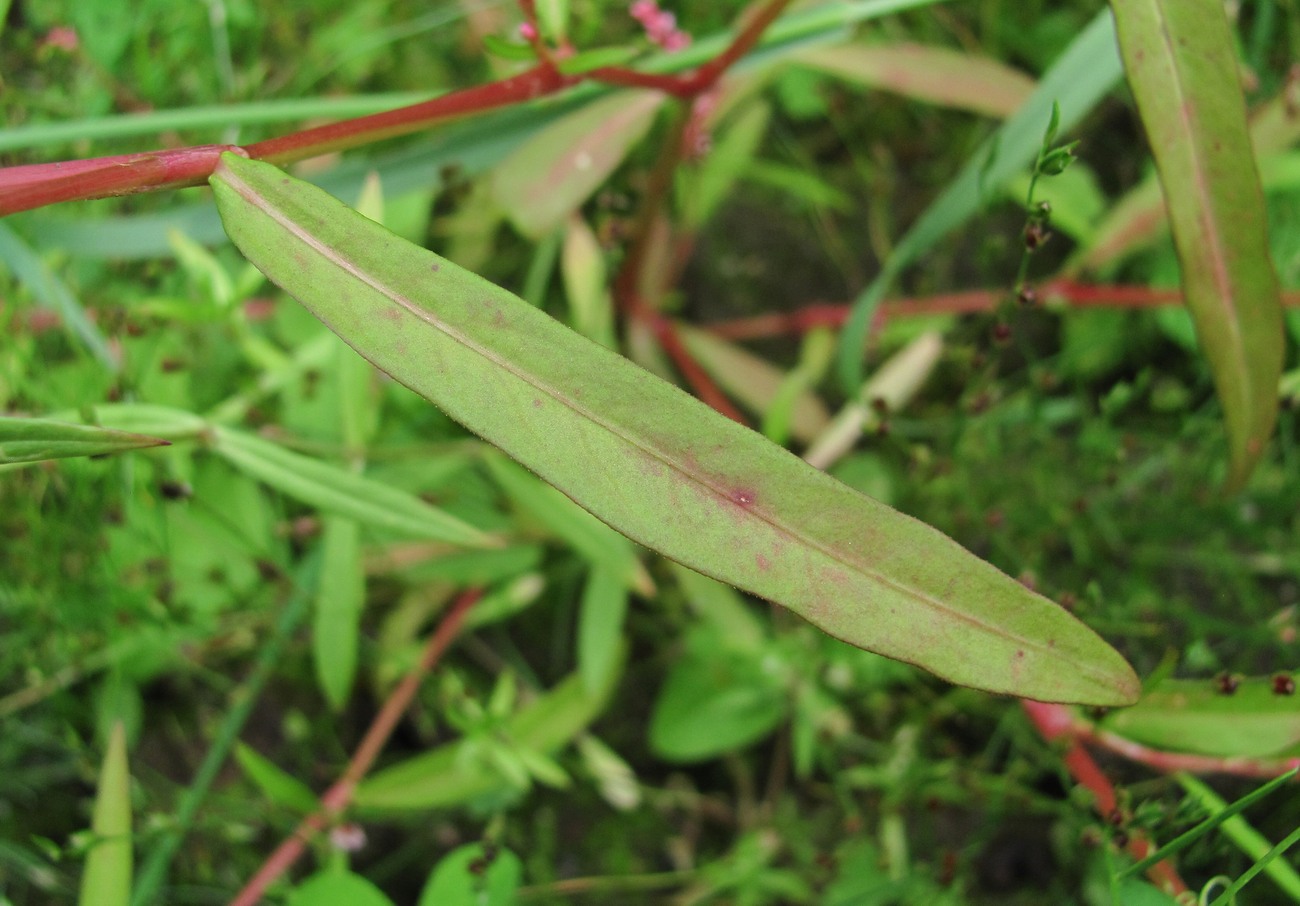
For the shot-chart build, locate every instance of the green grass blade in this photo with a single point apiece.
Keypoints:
(600, 627)
(36, 439)
(1181, 63)
(1248, 840)
(340, 491)
(50, 292)
(1087, 70)
(1267, 862)
(1184, 840)
(107, 878)
(336, 624)
(659, 466)
(217, 117)
(153, 873)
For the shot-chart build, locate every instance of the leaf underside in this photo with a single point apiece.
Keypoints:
(656, 464)
(1180, 62)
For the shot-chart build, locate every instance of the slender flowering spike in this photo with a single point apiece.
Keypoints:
(678, 40)
(660, 25)
(644, 10)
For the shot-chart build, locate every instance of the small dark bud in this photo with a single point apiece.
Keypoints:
(1283, 684)
(1001, 332)
(1226, 683)
(1027, 297)
(1036, 235)
(175, 490)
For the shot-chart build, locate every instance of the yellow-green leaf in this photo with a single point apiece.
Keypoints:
(658, 465)
(936, 75)
(1181, 62)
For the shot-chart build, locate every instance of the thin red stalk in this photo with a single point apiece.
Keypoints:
(1077, 295)
(26, 187)
(1169, 762)
(338, 796)
(707, 75)
(630, 278)
(1056, 722)
(533, 83)
(696, 376)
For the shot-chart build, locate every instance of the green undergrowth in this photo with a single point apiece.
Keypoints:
(738, 755)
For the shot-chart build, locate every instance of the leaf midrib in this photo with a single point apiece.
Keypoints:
(331, 255)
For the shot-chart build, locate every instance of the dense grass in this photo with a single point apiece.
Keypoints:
(1080, 451)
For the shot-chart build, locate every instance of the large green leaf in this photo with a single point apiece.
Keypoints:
(654, 463)
(1181, 63)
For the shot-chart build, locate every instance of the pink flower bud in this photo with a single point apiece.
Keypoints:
(528, 31)
(678, 40)
(643, 10)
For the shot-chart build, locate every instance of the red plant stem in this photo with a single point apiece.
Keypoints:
(1077, 295)
(1056, 722)
(1168, 762)
(696, 376)
(35, 185)
(707, 75)
(338, 796)
(26, 187)
(630, 280)
(536, 82)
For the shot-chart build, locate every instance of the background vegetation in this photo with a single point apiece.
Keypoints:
(629, 732)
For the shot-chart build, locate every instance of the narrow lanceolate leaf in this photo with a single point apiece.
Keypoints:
(34, 439)
(557, 170)
(343, 492)
(936, 75)
(656, 464)
(107, 878)
(1181, 64)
